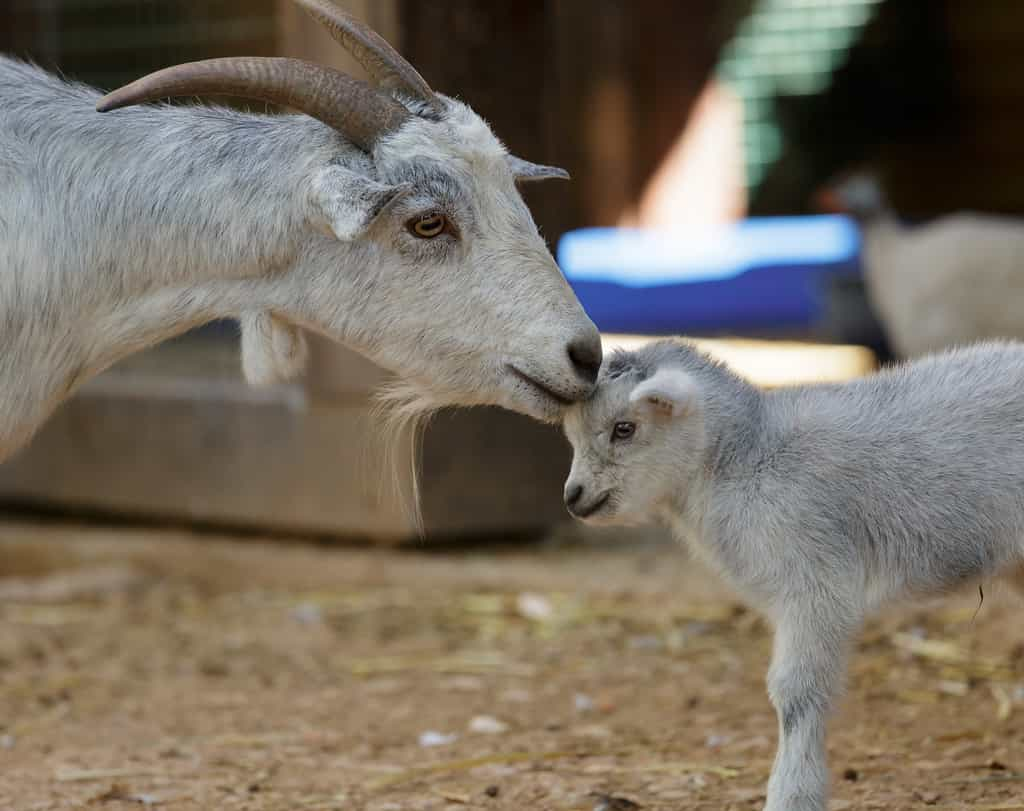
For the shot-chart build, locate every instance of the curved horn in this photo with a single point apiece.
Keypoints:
(351, 107)
(384, 64)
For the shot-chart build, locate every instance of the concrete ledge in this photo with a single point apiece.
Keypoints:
(220, 452)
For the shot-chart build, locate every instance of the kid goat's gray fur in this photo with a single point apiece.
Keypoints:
(817, 503)
(387, 218)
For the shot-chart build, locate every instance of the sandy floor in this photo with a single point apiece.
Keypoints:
(161, 669)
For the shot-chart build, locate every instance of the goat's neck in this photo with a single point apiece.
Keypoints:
(733, 422)
(199, 233)
(150, 222)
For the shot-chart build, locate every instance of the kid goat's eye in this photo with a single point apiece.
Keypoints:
(623, 430)
(433, 225)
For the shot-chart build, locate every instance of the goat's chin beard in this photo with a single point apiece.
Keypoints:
(408, 396)
(402, 412)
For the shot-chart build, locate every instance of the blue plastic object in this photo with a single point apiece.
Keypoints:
(759, 276)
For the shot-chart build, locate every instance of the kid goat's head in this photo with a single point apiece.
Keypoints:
(639, 442)
(421, 251)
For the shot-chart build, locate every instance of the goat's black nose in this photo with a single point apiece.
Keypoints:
(585, 356)
(573, 495)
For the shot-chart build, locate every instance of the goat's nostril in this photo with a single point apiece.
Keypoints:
(573, 494)
(585, 355)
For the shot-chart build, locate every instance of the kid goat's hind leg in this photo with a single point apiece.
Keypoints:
(806, 677)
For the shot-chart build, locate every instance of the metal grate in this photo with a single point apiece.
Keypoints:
(786, 48)
(108, 42)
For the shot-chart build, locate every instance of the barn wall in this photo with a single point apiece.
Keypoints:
(978, 162)
(601, 88)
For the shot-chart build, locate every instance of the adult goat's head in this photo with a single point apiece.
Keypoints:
(432, 264)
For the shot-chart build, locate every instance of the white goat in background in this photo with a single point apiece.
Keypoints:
(949, 282)
(818, 504)
(386, 218)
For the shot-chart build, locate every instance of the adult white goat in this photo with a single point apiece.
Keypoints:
(386, 218)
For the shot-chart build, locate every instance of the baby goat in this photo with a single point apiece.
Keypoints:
(817, 503)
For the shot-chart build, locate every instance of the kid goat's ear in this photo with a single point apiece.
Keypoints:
(350, 202)
(667, 393)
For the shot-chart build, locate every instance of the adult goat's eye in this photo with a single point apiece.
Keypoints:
(433, 225)
(623, 430)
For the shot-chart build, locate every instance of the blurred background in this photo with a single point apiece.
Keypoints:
(786, 177)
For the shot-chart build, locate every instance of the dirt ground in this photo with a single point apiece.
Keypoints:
(146, 668)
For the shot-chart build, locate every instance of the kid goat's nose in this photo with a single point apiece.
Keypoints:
(573, 493)
(585, 356)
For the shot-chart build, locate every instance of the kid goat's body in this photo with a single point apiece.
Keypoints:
(817, 503)
(907, 482)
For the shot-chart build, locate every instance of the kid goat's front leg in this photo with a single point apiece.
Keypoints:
(806, 677)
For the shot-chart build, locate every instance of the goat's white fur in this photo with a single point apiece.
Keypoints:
(118, 231)
(949, 282)
(819, 504)
(272, 350)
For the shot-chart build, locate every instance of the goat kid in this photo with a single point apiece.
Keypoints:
(385, 217)
(818, 504)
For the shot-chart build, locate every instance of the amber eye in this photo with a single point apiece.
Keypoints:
(623, 430)
(429, 227)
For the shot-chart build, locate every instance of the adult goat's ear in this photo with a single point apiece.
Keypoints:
(524, 171)
(350, 202)
(667, 393)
